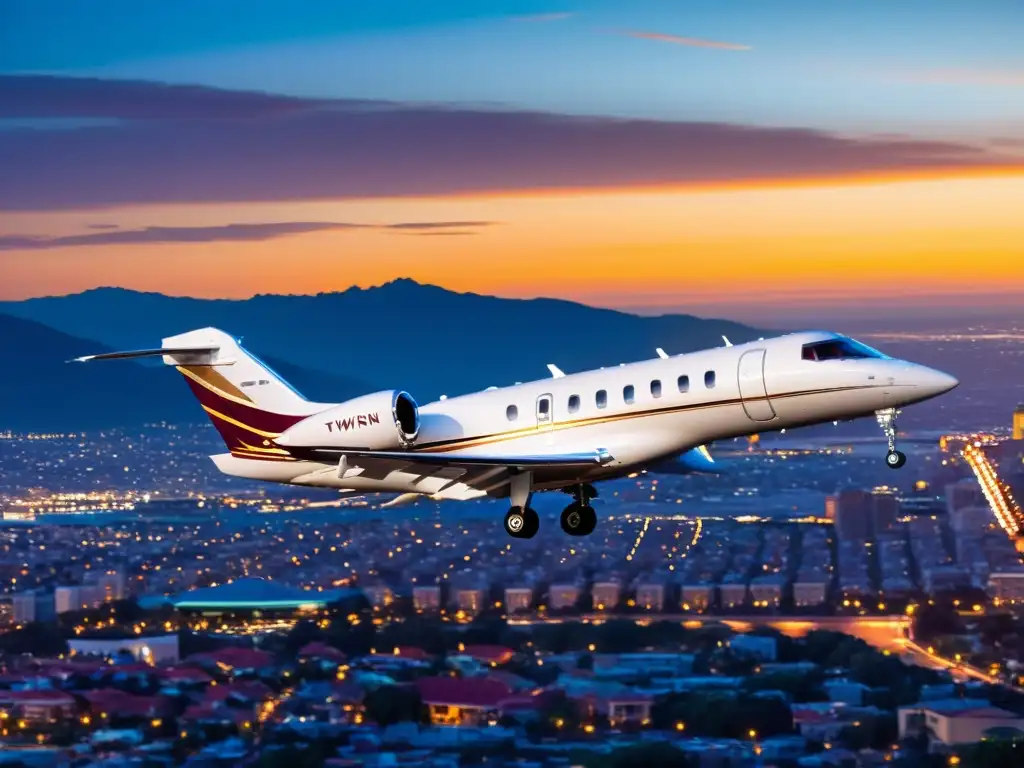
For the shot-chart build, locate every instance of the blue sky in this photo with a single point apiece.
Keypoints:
(923, 67)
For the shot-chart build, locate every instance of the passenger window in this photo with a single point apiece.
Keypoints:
(544, 407)
(655, 388)
(628, 394)
(602, 398)
(574, 403)
(511, 413)
(684, 383)
(709, 379)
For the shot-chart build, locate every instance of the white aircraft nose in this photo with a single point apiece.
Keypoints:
(932, 382)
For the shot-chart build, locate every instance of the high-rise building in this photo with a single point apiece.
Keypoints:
(862, 514)
(1018, 423)
(854, 509)
(426, 598)
(518, 599)
(886, 511)
(831, 502)
(966, 493)
(563, 595)
(606, 595)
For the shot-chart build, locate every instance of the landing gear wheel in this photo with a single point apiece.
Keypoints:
(895, 459)
(887, 421)
(578, 519)
(521, 523)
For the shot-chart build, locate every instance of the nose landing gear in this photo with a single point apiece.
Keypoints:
(894, 459)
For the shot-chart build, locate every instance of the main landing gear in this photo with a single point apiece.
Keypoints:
(887, 421)
(579, 518)
(522, 522)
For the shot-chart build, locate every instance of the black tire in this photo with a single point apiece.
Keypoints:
(577, 520)
(515, 522)
(522, 523)
(895, 459)
(532, 523)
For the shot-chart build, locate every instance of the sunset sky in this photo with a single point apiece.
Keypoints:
(747, 160)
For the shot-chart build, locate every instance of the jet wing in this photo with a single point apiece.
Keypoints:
(596, 458)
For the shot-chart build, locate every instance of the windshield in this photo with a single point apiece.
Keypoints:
(839, 348)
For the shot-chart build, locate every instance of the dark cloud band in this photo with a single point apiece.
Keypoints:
(192, 144)
(224, 233)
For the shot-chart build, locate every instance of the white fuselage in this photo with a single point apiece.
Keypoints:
(638, 412)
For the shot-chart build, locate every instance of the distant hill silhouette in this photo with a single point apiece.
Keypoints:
(422, 338)
(41, 392)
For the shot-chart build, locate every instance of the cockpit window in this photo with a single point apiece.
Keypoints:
(839, 349)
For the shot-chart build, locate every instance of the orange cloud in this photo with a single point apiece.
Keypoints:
(693, 42)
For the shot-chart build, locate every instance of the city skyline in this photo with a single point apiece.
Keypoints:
(808, 166)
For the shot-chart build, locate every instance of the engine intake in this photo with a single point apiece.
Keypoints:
(382, 421)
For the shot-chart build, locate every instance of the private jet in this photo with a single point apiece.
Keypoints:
(566, 432)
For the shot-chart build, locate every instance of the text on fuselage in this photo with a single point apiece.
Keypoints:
(352, 422)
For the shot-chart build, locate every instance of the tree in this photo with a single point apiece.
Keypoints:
(660, 753)
(38, 638)
(993, 754)
(301, 635)
(871, 733)
(798, 686)
(931, 621)
(390, 704)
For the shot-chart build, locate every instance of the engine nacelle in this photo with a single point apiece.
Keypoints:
(383, 421)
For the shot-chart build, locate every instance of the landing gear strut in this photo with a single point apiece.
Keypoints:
(521, 522)
(579, 518)
(887, 421)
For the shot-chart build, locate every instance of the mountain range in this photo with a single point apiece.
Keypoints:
(331, 346)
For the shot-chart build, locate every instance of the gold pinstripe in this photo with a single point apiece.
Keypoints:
(500, 437)
(241, 400)
(258, 449)
(261, 456)
(229, 420)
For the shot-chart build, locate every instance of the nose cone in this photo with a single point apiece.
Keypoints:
(930, 382)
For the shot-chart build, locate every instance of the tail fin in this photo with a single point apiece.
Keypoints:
(247, 402)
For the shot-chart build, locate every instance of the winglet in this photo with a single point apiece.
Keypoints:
(556, 372)
(661, 353)
(727, 342)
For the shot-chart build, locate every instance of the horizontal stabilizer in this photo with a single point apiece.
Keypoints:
(597, 458)
(168, 351)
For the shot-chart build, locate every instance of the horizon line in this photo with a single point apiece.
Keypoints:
(918, 307)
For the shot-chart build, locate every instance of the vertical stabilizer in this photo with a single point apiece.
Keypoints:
(246, 400)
